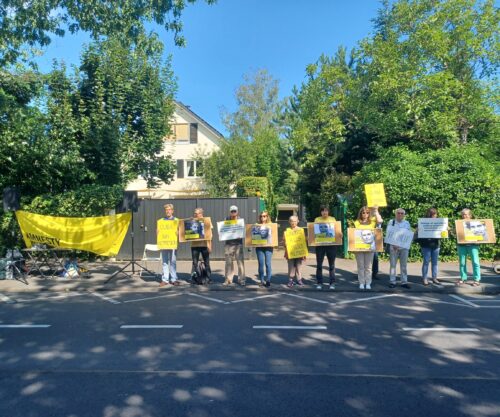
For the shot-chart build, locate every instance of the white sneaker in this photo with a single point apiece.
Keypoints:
(332, 286)
(318, 287)
(368, 287)
(361, 287)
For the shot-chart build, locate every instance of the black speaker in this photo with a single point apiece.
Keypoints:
(11, 198)
(130, 202)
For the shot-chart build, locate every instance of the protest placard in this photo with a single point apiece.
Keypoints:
(375, 195)
(475, 231)
(432, 228)
(365, 240)
(231, 229)
(399, 237)
(167, 237)
(195, 229)
(296, 243)
(261, 235)
(324, 233)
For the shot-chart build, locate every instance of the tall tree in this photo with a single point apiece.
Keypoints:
(33, 23)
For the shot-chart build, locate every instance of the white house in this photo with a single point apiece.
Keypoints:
(191, 136)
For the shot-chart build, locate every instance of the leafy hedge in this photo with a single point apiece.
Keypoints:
(449, 179)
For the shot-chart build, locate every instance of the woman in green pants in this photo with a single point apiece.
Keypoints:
(471, 250)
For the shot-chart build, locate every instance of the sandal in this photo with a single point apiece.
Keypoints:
(459, 283)
(436, 281)
(476, 284)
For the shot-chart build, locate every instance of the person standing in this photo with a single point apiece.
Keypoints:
(329, 251)
(201, 247)
(233, 251)
(396, 253)
(471, 250)
(430, 252)
(168, 256)
(364, 259)
(294, 263)
(264, 254)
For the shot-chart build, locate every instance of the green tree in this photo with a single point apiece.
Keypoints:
(33, 23)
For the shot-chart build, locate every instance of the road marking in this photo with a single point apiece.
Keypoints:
(6, 299)
(105, 298)
(209, 298)
(49, 297)
(152, 298)
(306, 298)
(291, 327)
(433, 300)
(440, 329)
(24, 326)
(367, 298)
(463, 300)
(151, 326)
(255, 298)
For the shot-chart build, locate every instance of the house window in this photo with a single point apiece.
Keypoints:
(193, 169)
(180, 132)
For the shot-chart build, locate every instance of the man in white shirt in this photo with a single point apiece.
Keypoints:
(398, 253)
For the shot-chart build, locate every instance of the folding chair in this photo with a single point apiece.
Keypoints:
(151, 254)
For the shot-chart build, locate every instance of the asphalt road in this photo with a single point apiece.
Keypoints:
(191, 354)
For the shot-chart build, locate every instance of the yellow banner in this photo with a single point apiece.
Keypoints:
(375, 195)
(296, 244)
(102, 235)
(167, 233)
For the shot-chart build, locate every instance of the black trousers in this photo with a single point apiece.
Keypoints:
(195, 255)
(330, 252)
(375, 266)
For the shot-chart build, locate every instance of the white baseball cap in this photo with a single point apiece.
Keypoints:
(233, 208)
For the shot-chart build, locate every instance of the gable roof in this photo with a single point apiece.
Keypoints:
(200, 120)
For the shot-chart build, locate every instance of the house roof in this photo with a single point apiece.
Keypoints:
(200, 119)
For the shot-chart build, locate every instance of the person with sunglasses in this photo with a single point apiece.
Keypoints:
(233, 251)
(264, 253)
(325, 250)
(395, 252)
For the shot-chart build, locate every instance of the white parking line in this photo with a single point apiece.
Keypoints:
(463, 300)
(105, 298)
(151, 326)
(6, 299)
(291, 327)
(209, 298)
(440, 329)
(254, 298)
(366, 299)
(49, 297)
(305, 298)
(152, 298)
(24, 326)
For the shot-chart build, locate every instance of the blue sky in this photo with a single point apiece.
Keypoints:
(235, 37)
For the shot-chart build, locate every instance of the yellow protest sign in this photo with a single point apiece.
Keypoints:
(102, 235)
(296, 244)
(167, 233)
(375, 195)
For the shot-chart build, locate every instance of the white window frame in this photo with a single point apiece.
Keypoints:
(186, 166)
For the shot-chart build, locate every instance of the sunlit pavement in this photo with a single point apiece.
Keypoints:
(248, 353)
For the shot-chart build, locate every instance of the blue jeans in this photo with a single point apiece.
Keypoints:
(264, 256)
(430, 255)
(169, 263)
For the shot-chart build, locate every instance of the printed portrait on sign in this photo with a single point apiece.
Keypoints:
(194, 229)
(475, 231)
(261, 234)
(322, 230)
(364, 239)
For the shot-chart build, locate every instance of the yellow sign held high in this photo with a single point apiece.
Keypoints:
(375, 195)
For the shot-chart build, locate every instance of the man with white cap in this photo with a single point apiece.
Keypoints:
(233, 251)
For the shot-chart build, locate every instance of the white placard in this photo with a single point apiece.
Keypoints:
(399, 237)
(231, 229)
(429, 228)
